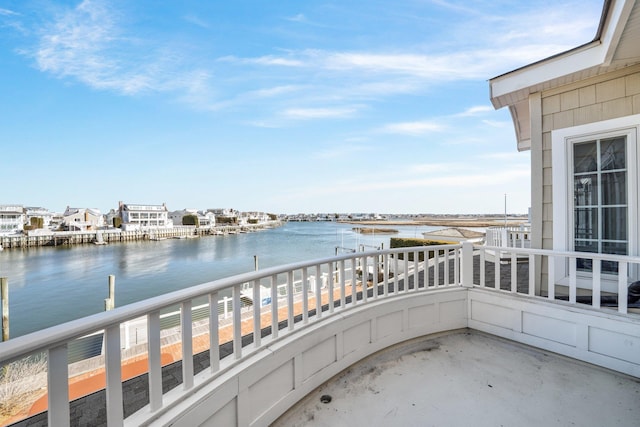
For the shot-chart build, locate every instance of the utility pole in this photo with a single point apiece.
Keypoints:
(505, 209)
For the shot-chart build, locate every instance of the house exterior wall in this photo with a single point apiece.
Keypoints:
(613, 95)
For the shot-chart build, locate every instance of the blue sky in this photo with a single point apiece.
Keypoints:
(279, 106)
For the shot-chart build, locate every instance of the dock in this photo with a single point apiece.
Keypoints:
(113, 235)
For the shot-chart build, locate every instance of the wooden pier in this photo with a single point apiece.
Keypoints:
(113, 235)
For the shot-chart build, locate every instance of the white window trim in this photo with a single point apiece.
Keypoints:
(561, 142)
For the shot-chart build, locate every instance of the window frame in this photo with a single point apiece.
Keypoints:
(562, 142)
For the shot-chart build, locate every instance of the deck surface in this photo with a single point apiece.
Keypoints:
(469, 378)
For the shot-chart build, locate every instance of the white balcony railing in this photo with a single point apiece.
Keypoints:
(350, 281)
(509, 237)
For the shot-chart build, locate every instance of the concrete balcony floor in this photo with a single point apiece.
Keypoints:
(470, 378)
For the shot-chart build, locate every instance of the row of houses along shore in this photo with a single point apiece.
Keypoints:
(22, 226)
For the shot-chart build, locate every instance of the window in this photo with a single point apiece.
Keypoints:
(595, 192)
(600, 209)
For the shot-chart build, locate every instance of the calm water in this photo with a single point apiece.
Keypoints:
(48, 286)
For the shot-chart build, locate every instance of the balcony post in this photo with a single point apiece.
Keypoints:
(467, 264)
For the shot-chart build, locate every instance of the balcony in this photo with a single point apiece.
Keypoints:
(318, 318)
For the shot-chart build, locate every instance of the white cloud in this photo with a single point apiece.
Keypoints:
(319, 113)
(297, 18)
(414, 128)
(7, 12)
(86, 43)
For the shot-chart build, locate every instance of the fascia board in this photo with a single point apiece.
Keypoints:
(591, 55)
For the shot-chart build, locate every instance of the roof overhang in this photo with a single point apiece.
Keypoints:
(601, 55)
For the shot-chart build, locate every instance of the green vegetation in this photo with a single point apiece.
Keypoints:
(190, 220)
(117, 222)
(398, 242)
(35, 223)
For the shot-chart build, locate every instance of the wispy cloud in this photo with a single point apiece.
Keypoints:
(414, 128)
(319, 113)
(297, 18)
(196, 20)
(86, 43)
(7, 12)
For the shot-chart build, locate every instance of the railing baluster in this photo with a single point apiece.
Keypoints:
(425, 268)
(214, 334)
(113, 367)
(551, 281)
(415, 270)
(385, 270)
(446, 267)
(597, 283)
(436, 268)
(58, 386)
(305, 296)
(354, 281)
(496, 266)
(318, 291)
(514, 272)
(532, 275)
(290, 304)
(456, 265)
(257, 307)
(155, 361)
(365, 278)
(395, 274)
(274, 307)
(330, 292)
(622, 287)
(343, 289)
(406, 272)
(572, 280)
(482, 267)
(186, 324)
(237, 322)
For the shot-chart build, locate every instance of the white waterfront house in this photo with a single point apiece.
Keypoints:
(225, 215)
(82, 219)
(12, 219)
(206, 219)
(138, 216)
(572, 298)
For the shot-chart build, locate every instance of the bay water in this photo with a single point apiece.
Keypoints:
(53, 285)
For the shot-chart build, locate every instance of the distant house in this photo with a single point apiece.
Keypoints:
(35, 213)
(82, 219)
(205, 218)
(578, 113)
(177, 216)
(136, 216)
(225, 216)
(12, 219)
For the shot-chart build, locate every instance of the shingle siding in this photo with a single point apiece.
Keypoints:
(595, 101)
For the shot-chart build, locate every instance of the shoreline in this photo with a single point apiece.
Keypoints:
(446, 222)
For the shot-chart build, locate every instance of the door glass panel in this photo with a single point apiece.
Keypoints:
(586, 190)
(585, 157)
(614, 224)
(613, 153)
(586, 224)
(614, 188)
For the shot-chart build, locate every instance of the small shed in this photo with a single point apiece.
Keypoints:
(455, 234)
